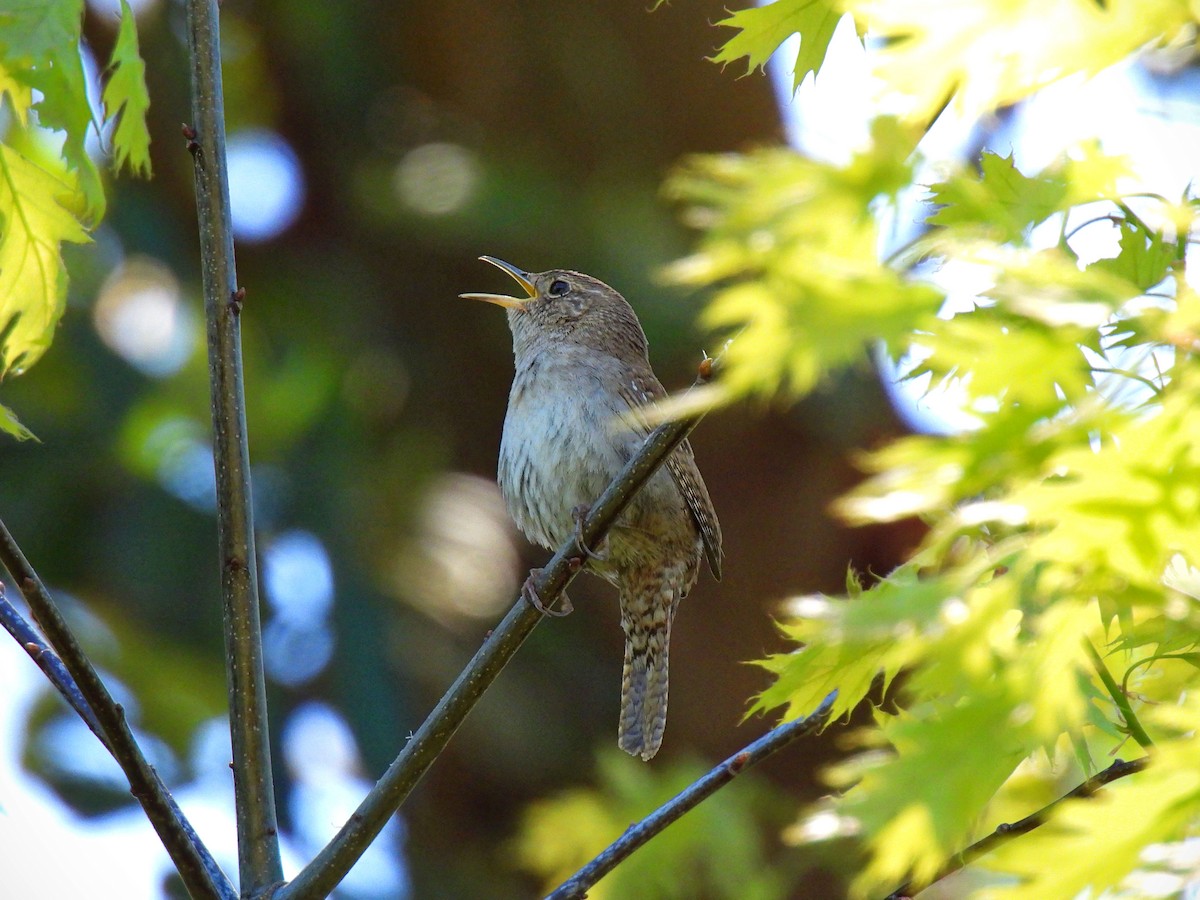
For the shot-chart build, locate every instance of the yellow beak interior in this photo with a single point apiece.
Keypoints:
(502, 299)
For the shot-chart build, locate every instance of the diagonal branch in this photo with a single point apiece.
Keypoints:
(330, 866)
(52, 667)
(254, 794)
(636, 835)
(197, 868)
(1005, 833)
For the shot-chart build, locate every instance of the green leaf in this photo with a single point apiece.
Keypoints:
(793, 247)
(20, 97)
(991, 53)
(33, 278)
(35, 30)
(999, 198)
(1145, 258)
(1009, 358)
(718, 849)
(919, 805)
(1094, 843)
(40, 41)
(761, 29)
(1129, 508)
(125, 96)
(11, 425)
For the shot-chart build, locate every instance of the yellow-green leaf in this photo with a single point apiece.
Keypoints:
(991, 53)
(125, 96)
(33, 278)
(10, 424)
(20, 97)
(761, 29)
(794, 246)
(1094, 843)
(40, 43)
(999, 197)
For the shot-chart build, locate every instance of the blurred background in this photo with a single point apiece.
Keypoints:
(376, 149)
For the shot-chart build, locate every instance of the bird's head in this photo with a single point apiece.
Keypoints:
(564, 306)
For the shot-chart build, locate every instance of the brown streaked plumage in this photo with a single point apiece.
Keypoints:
(582, 376)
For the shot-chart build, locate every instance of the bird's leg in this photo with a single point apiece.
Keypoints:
(530, 594)
(579, 513)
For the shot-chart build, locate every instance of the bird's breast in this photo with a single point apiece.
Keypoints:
(562, 445)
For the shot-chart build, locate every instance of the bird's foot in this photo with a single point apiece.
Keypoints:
(530, 593)
(579, 513)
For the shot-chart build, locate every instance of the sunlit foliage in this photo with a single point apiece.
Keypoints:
(1067, 519)
(48, 197)
(720, 846)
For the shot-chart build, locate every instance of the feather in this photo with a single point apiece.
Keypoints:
(643, 392)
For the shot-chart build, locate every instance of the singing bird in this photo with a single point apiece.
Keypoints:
(582, 378)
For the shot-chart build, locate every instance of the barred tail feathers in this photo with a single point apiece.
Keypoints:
(646, 618)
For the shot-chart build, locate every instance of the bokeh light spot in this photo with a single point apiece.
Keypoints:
(186, 471)
(436, 179)
(297, 642)
(141, 316)
(324, 762)
(296, 652)
(266, 184)
(298, 577)
(463, 564)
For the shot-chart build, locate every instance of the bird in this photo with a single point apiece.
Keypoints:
(582, 384)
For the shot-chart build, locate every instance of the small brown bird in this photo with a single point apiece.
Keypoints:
(582, 375)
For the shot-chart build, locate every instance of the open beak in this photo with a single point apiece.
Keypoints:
(501, 299)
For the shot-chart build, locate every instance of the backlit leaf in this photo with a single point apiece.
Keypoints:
(761, 29)
(991, 53)
(33, 279)
(126, 99)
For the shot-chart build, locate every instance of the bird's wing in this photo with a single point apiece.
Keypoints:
(681, 464)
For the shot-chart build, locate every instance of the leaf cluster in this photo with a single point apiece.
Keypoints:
(1063, 521)
(721, 846)
(48, 196)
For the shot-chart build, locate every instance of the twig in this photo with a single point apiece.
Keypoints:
(637, 835)
(1136, 731)
(330, 866)
(46, 659)
(257, 825)
(1005, 833)
(197, 868)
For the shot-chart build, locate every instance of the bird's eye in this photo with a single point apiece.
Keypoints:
(558, 287)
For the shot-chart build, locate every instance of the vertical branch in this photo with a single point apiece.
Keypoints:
(258, 842)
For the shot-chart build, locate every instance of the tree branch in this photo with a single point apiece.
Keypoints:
(258, 840)
(197, 868)
(1005, 833)
(52, 667)
(1136, 731)
(636, 835)
(330, 866)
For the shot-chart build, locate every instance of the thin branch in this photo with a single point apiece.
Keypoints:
(636, 835)
(1136, 731)
(330, 866)
(197, 868)
(47, 660)
(1005, 833)
(258, 840)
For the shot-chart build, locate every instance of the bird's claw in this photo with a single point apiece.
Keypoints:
(530, 594)
(579, 513)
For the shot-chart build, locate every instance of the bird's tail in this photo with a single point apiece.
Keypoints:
(644, 678)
